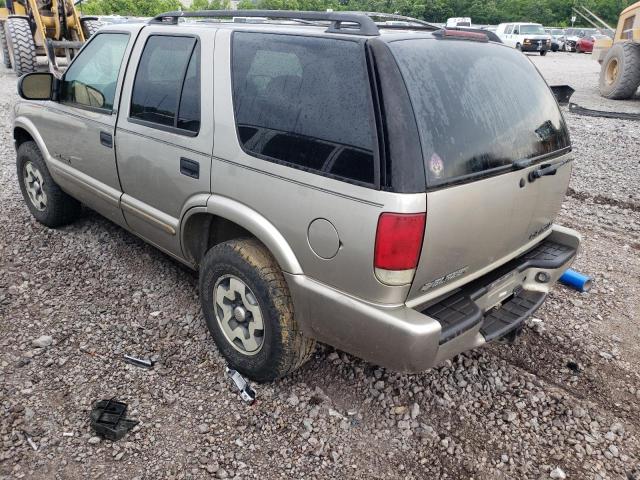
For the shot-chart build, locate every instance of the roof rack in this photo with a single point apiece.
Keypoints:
(400, 18)
(355, 23)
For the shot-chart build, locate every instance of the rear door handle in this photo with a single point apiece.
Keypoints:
(189, 167)
(106, 139)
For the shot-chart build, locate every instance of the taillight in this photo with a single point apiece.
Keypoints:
(398, 244)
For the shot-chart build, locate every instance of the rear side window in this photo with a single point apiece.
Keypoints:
(166, 90)
(91, 79)
(304, 102)
(479, 107)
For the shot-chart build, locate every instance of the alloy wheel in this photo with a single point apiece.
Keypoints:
(238, 314)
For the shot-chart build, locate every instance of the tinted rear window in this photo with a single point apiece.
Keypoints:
(478, 106)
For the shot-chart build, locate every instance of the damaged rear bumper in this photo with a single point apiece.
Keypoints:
(414, 339)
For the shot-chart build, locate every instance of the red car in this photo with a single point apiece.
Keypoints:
(585, 44)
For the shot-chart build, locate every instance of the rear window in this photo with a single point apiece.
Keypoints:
(304, 102)
(479, 107)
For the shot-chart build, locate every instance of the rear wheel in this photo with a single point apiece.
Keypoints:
(518, 47)
(249, 312)
(89, 27)
(6, 60)
(22, 49)
(620, 72)
(46, 201)
(543, 53)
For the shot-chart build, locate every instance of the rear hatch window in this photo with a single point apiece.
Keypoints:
(479, 108)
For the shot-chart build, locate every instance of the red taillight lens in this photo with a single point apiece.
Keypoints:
(399, 240)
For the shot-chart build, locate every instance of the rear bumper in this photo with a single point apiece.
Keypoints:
(414, 339)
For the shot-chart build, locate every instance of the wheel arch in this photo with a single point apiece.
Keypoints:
(24, 131)
(225, 219)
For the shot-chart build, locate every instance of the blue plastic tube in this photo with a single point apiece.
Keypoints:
(576, 280)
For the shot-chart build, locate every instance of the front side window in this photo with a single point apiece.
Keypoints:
(627, 28)
(91, 79)
(304, 102)
(166, 89)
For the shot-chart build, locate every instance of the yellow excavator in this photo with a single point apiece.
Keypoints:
(618, 52)
(42, 28)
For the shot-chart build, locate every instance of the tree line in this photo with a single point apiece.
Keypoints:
(547, 12)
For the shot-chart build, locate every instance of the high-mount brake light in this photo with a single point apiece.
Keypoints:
(461, 35)
(398, 245)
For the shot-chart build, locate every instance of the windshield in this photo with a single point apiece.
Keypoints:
(557, 32)
(531, 30)
(478, 106)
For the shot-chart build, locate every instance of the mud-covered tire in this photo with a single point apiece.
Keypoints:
(60, 209)
(89, 27)
(22, 49)
(620, 72)
(284, 348)
(6, 59)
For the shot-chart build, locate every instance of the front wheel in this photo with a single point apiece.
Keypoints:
(46, 201)
(246, 303)
(518, 47)
(22, 49)
(620, 71)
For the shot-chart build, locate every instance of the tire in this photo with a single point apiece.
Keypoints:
(22, 50)
(59, 208)
(282, 347)
(6, 59)
(89, 27)
(543, 53)
(518, 47)
(620, 72)
(578, 49)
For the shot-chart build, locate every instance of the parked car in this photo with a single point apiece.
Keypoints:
(526, 37)
(557, 38)
(574, 34)
(315, 203)
(585, 44)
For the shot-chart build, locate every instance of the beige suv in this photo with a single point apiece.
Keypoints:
(388, 189)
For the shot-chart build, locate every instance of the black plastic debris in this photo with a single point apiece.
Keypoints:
(247, 393)
(108, 419)
(562, 93)
(578, 110)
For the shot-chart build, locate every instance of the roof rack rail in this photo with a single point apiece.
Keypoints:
(400, 18)
(364, 25)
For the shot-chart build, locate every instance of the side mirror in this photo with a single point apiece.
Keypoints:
(36, 86)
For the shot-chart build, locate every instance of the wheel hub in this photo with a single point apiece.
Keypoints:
(34, 183)
(238, 315)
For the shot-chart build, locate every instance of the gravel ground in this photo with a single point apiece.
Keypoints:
(563, 402)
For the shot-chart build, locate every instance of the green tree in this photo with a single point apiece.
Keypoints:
(136, 8)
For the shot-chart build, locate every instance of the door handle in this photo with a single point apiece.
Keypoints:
(189, 167)
(106, 139)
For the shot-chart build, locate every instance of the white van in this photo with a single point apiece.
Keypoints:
(458, 22)
(527, 37)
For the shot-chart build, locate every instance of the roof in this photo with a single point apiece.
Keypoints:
(630, 7)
